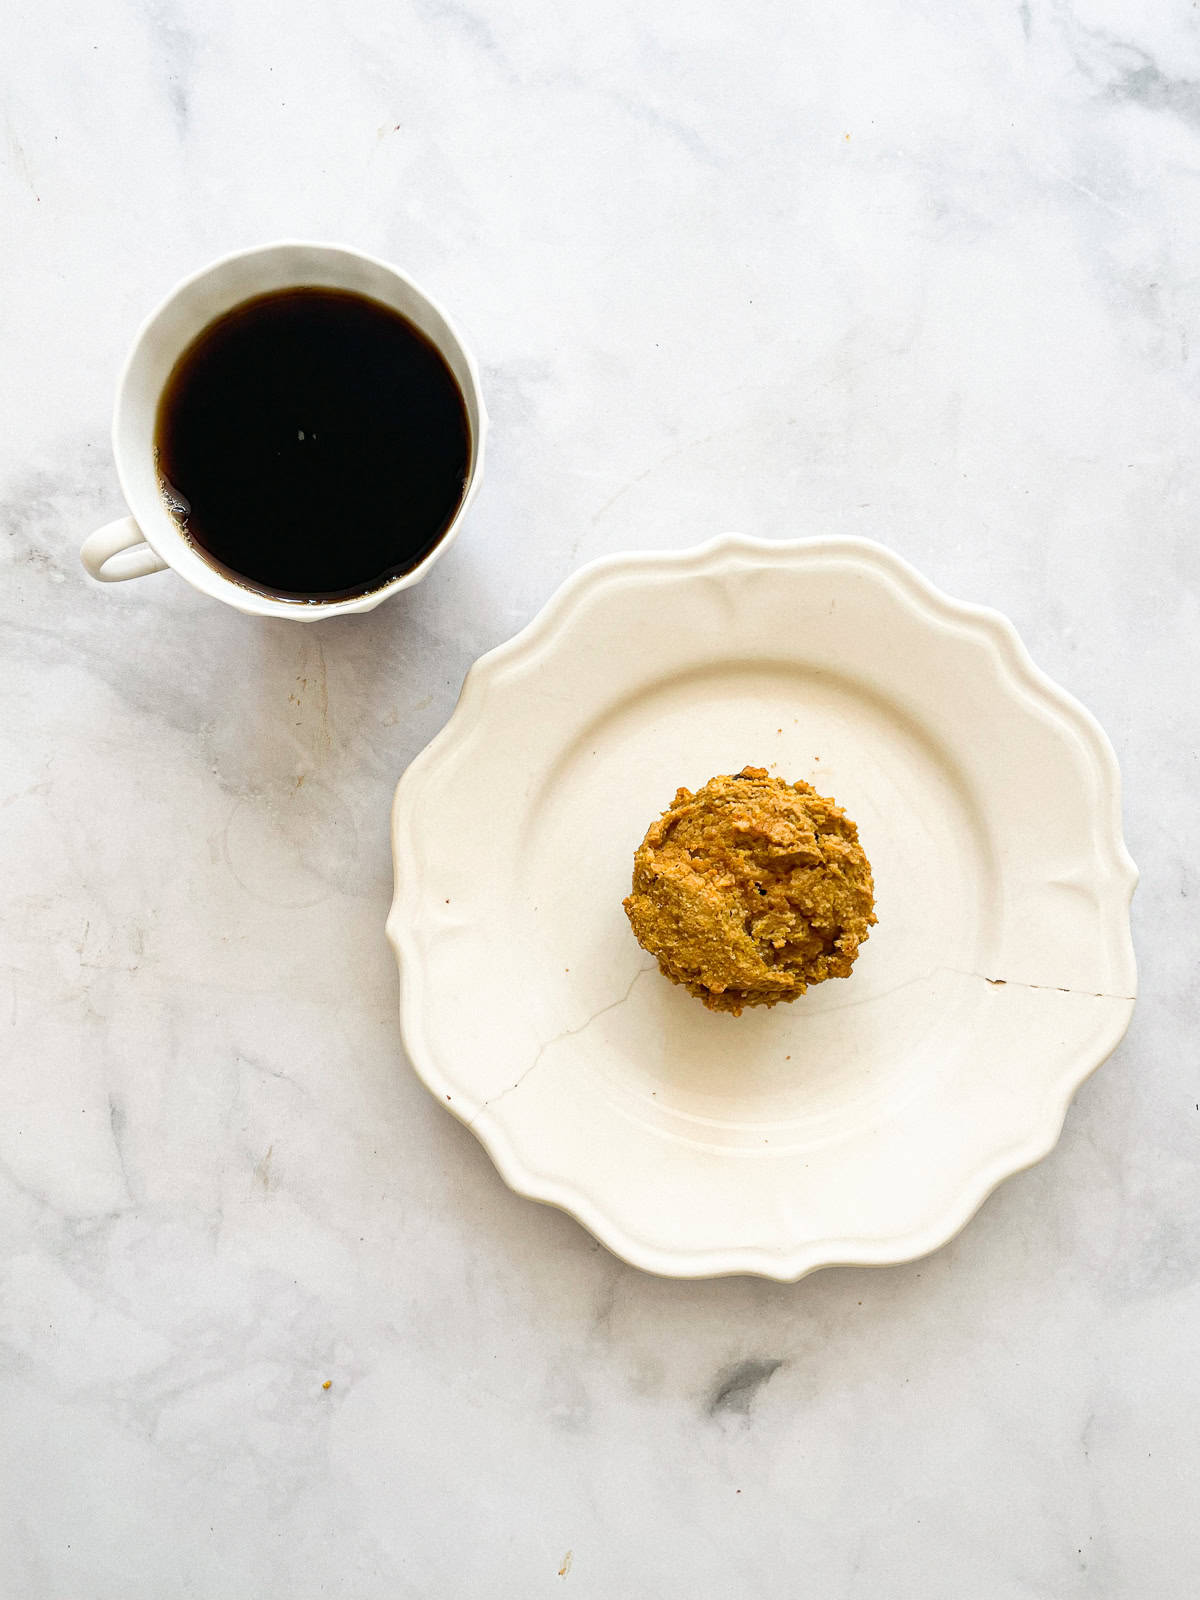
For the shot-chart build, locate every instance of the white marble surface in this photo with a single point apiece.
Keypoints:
(924, 273)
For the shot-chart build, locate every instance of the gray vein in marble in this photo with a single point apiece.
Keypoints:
(116, 1122)
(1149, 86)
(738, 1386)
(176, 48)
(661, 122)
(272, 1072)
(465, 22)
(1130, 74)
(17, 151)
(1090, 194)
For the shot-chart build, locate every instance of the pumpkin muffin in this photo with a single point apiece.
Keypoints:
(751, 889)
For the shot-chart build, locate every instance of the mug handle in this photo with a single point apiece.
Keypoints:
(107, 543)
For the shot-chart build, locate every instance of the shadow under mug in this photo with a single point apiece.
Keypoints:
(150, 540)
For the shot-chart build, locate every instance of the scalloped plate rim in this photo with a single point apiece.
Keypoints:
(938, 609)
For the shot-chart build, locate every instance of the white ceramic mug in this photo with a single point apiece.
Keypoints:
(150, 540)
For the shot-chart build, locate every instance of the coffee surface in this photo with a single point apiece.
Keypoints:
(313, 443)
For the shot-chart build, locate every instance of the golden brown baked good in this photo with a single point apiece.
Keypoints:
(751, 889)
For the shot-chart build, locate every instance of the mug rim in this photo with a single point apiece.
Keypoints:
(209, 579)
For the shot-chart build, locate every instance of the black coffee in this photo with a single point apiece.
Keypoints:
(313, 443)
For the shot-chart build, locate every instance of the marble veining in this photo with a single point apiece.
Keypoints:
(736, 1387)
(270, 1324)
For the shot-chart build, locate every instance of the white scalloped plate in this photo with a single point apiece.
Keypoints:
(867, 1121)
